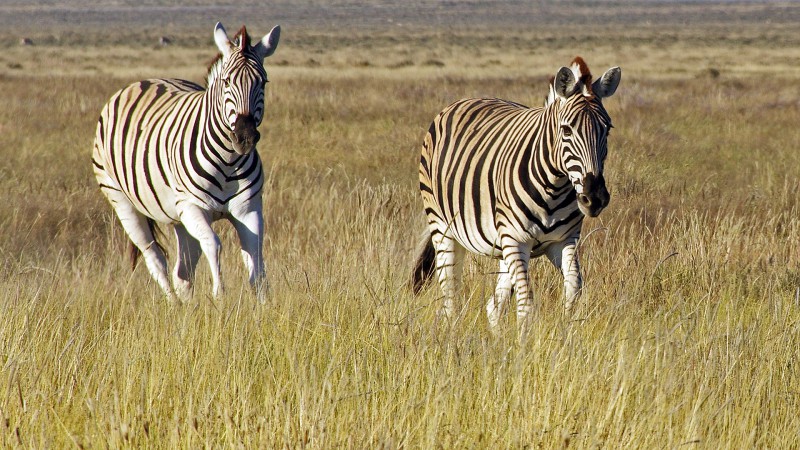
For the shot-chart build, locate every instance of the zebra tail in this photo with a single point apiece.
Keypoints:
(133, 250)
(424, 265)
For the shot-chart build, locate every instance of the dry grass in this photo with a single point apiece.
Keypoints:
(689, 332)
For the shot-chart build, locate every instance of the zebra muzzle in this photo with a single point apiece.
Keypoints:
(245, 134)
(594, 197)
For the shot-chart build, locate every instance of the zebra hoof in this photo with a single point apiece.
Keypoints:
(183, 289)
(171, 299)
(495, 308)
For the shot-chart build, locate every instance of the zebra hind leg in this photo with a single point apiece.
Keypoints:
(140, 232)
(189, 252)
(449, 265)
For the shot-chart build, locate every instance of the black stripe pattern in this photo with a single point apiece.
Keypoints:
(501, 179)
(160, 137)
(175, 152)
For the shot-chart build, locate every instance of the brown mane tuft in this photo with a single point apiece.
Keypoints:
(243, 42)
(585, 76)
(244, 38)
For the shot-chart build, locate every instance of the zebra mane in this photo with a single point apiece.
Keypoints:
(583, 75)
(241, 40)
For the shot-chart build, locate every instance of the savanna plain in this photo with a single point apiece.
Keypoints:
(687, 334)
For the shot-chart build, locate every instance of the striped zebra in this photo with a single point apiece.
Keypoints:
(173, 152)
(501, 179)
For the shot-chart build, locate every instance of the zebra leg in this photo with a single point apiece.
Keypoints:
(250, 228)
(502, 292)
(135, 225)
(449, 264)
(564, 256)
(517, 256)
(189, 252)
(198, 225)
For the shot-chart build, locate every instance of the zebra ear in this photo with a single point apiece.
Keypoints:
(564, 82)
(606, 85)
(266, 47)
(222, 41)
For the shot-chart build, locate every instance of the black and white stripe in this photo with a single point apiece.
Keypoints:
(501, 179)
(171, 151)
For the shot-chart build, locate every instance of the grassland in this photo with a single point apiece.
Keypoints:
(688, 334)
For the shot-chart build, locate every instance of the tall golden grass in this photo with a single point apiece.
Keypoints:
(688, 333)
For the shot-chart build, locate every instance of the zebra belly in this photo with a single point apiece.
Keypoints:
(161, 209)
(538, 239)
(554, 231)
(154, 198)
(486, 243)
(148, 193)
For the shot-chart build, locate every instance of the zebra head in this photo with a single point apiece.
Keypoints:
(583, 126)
(241, 72)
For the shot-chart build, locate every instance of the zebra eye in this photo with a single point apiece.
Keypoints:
(566, 130)
(226, 82)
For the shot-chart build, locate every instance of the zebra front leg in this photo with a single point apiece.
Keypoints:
(502, 292)
(449, 265)
(564, 256)
(250, 228)
(189, 252)
(517, 256)
(198, 224)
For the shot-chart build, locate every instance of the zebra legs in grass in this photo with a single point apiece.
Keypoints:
(512, 277)
(197, 223)
(564, 255)
(195, 236)
(188, 254)
(141, 235)
(249, 226)
(447, 260)
(516, 256)
(449, 265)
(495, 307)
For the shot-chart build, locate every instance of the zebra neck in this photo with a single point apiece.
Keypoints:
(553, 168)
(216, 134)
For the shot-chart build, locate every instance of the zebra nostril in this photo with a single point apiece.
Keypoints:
(583, 198)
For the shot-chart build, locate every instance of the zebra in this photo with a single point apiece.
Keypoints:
(501, 179)
(173, 152)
